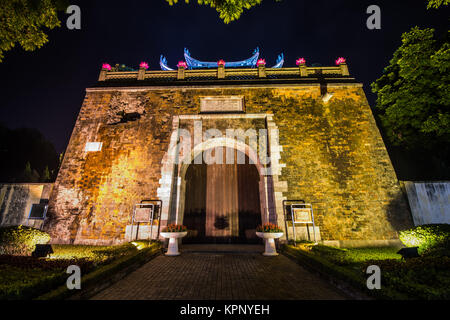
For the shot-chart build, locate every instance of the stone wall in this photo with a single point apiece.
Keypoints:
(17, 199)
(329, 153)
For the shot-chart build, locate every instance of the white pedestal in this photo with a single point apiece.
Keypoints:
(269, 238)
(172, 249)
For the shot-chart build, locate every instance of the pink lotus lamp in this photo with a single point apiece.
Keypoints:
(340, 61)
(261, 62)
(106, 67)
(182, 64)
(221, 62)
(300, 61)
(144, 65)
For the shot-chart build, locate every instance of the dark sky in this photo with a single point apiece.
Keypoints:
(45, 89)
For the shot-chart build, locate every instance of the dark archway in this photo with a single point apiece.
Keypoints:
(222, 202)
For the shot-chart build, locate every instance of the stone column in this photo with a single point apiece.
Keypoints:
(261, 71)
(180, 75)
(141, 74)
(221, 71)
(303, 70)
(102, 76)
(344, 69)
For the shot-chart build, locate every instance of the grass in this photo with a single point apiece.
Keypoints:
(425, 278)
(23, 277)
(67, 251)
(348, 256)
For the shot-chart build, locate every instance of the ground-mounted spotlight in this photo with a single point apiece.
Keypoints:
(407, 253)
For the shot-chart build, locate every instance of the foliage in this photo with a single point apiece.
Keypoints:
(412, 94)
(24, 156)
(21, 240)
(114, 252)
(69, 251)
(437, 3)
(15, 283)
(416, 278)
(30, 175)
(28, 263)
(175, 228)
(347, 256)
(29, 277)
(46, 175)
(422, 278)
(427, 237)
(229, 10)
(269, 227)
(105, 273)
(142, 244)
(23, 22)
(98, 254)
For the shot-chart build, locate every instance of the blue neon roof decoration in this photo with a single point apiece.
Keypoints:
(193, 63)
(163, 64)
(196, 64)
(280, 61)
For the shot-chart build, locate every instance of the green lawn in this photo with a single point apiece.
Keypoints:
(425, 278)
(355, 255)
(24, 277)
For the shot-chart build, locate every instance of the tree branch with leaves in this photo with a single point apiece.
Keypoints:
(229, 10)
(413, 98)
(23, 22)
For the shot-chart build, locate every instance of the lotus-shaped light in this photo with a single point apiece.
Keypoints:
(144, 65)
(221, 62)
(300, 61)
(106, 66)
(182, 64)
(261, 62)
(340, 61)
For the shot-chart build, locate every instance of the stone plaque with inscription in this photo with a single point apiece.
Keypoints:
(222, 104)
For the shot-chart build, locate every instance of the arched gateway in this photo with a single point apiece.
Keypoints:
(222, 202)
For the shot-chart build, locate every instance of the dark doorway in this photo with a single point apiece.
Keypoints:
(222, 203)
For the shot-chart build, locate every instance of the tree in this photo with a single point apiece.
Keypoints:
(413, 99)
(23, 22)
(27, 172)
(46, 175)
(437, 3)
(229, 10)
(19, 146)
(29, 175)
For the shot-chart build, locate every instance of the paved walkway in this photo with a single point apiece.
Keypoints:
(220, 273)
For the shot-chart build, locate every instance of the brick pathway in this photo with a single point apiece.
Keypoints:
(201, 275)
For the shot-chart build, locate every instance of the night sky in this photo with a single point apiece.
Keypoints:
(45, 89)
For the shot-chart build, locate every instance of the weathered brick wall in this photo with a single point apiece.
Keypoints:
(334, 157)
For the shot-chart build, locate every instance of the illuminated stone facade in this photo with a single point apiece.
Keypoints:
(323, 145)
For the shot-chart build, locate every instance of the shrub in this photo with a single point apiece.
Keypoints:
(427, 237)
(420, 278)
(29, 263)
(21, 240)
(114, 252)
(269, 227)
(70, 251)
(175, 228)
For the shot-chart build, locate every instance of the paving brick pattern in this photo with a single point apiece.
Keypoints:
(220, 276)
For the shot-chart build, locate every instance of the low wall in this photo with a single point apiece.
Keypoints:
(429, 201)
(16, 200)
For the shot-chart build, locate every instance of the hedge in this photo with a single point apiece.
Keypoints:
(427, 237)
(21, 240)
(105, 274)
